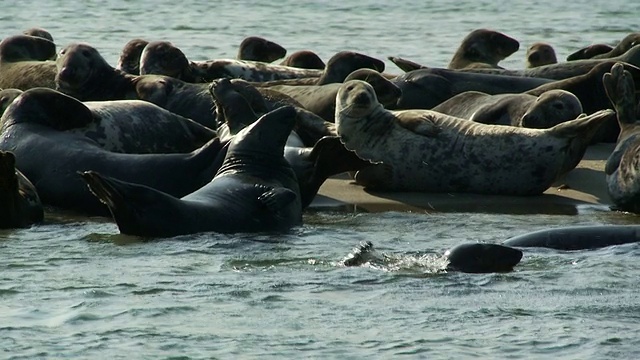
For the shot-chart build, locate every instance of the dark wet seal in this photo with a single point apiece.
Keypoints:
(129, 60)
(304, 59)
(255, 48)
(539, 54)
(483, 48)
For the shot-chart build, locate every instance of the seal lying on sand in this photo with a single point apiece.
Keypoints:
(468, 258)
(129, 60)
(539, 54)
(578, 237)
(19, 202)
(25, 62)
(483, 48)
(255, 48)
(423, 150)
(254, 190)
(623, 165)
(539, 112)
(50, 156)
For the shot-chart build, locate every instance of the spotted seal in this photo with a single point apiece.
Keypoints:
(539, 54)
(468, 257)
(50, 156)
(304, 59)
(622, 168)
(571, 238)
(525, 110)
(25, 62)
(254, 190)
(422, 150)
(20, 205)
(129, 59)
(255, 48)
(483, 48)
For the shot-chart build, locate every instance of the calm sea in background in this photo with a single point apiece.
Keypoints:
(74, 288)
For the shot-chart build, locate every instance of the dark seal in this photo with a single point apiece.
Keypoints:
(25, 62)
(129, 59)
(578, 237)
(20, 205)
(255, 48)
(539, 54)
(483, 48)
(304, 59)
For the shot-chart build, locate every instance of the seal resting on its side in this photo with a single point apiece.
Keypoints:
(20, 205)
(540, 112)
(254, 190)
(423, 150)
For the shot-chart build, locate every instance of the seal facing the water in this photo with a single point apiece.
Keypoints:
(422, 150)
(539, 54)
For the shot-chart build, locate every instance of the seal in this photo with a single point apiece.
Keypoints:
(423, 150)
(129, 59)
(622, 168)
(468, 257)
(539, 54)
(255, 48)
(483, 48)
(321, 99)
(304, 59)
(20, 205)
(25, 62)
(38, 32)
(540, 112)
(164, 58)
(6, 97)
(254, 190)
(51, 156)
(589, 52)
(426, 88)
(627, 43)
(577, 237)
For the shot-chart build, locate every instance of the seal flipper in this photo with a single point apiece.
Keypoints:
(404, 64)
(422, 124)
(583, 127)
(620, 90)
(276, 199)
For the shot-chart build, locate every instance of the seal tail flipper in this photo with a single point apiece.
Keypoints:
(404, 64)
(276, 199)
(583, 127)
(620, 90)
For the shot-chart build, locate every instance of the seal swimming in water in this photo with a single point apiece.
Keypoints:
(525, 110)
(255, 48)
(622, 169)
(254, 190)
(539, 54)
(50, 156)
(304, 59)
(578, 237)
(469, 257)
(483, 48)
(20, 205)
(129, 60)
(25, 62)
(423, 150)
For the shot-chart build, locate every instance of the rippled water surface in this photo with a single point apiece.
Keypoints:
(74, 288)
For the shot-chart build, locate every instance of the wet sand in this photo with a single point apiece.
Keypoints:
(584, 185)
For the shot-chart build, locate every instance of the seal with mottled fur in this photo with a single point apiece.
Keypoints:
(483, 48)
(20, 205)
(25, 62)
(623, 165)
(540, 112)
(49, 155)
(422, 150)
(129, 60)
(254, 190)
(539, 54)
(255, 48)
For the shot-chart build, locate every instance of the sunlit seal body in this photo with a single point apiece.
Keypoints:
(577, 237)
(539, 54)
(304, 59)
(129, 60)
(50, 156)
(423, 150)
(589, 52)
(540, 112)
(25, 62)
(6, 98)
(321, 99)
(254, 190)
(20, 205)
(623, 165)
(255, 48)
(483, 48)
(468, 257)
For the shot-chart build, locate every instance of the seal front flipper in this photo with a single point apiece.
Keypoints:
(418, 121)
(276, 199)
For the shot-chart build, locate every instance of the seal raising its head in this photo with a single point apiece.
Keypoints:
(539, 54)
(483, 48)
(255, 48)
(423, 150)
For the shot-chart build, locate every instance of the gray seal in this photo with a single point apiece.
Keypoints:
(255, 48)
(38, 32)
(539, 54)
(129, 59)
(589, 52)
(571, 238)
(49, 155)
(20, 204)
(483, 48)
(25, 62)
(622, 47)
(422, 150)
(6, 98)
(525, 110)
(304, 59)
(254, 190)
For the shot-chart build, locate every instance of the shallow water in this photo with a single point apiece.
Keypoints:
(74, 288)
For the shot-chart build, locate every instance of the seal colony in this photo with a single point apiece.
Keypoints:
(166, 147)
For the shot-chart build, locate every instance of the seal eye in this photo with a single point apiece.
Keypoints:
(63, 51)
(350, 87)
